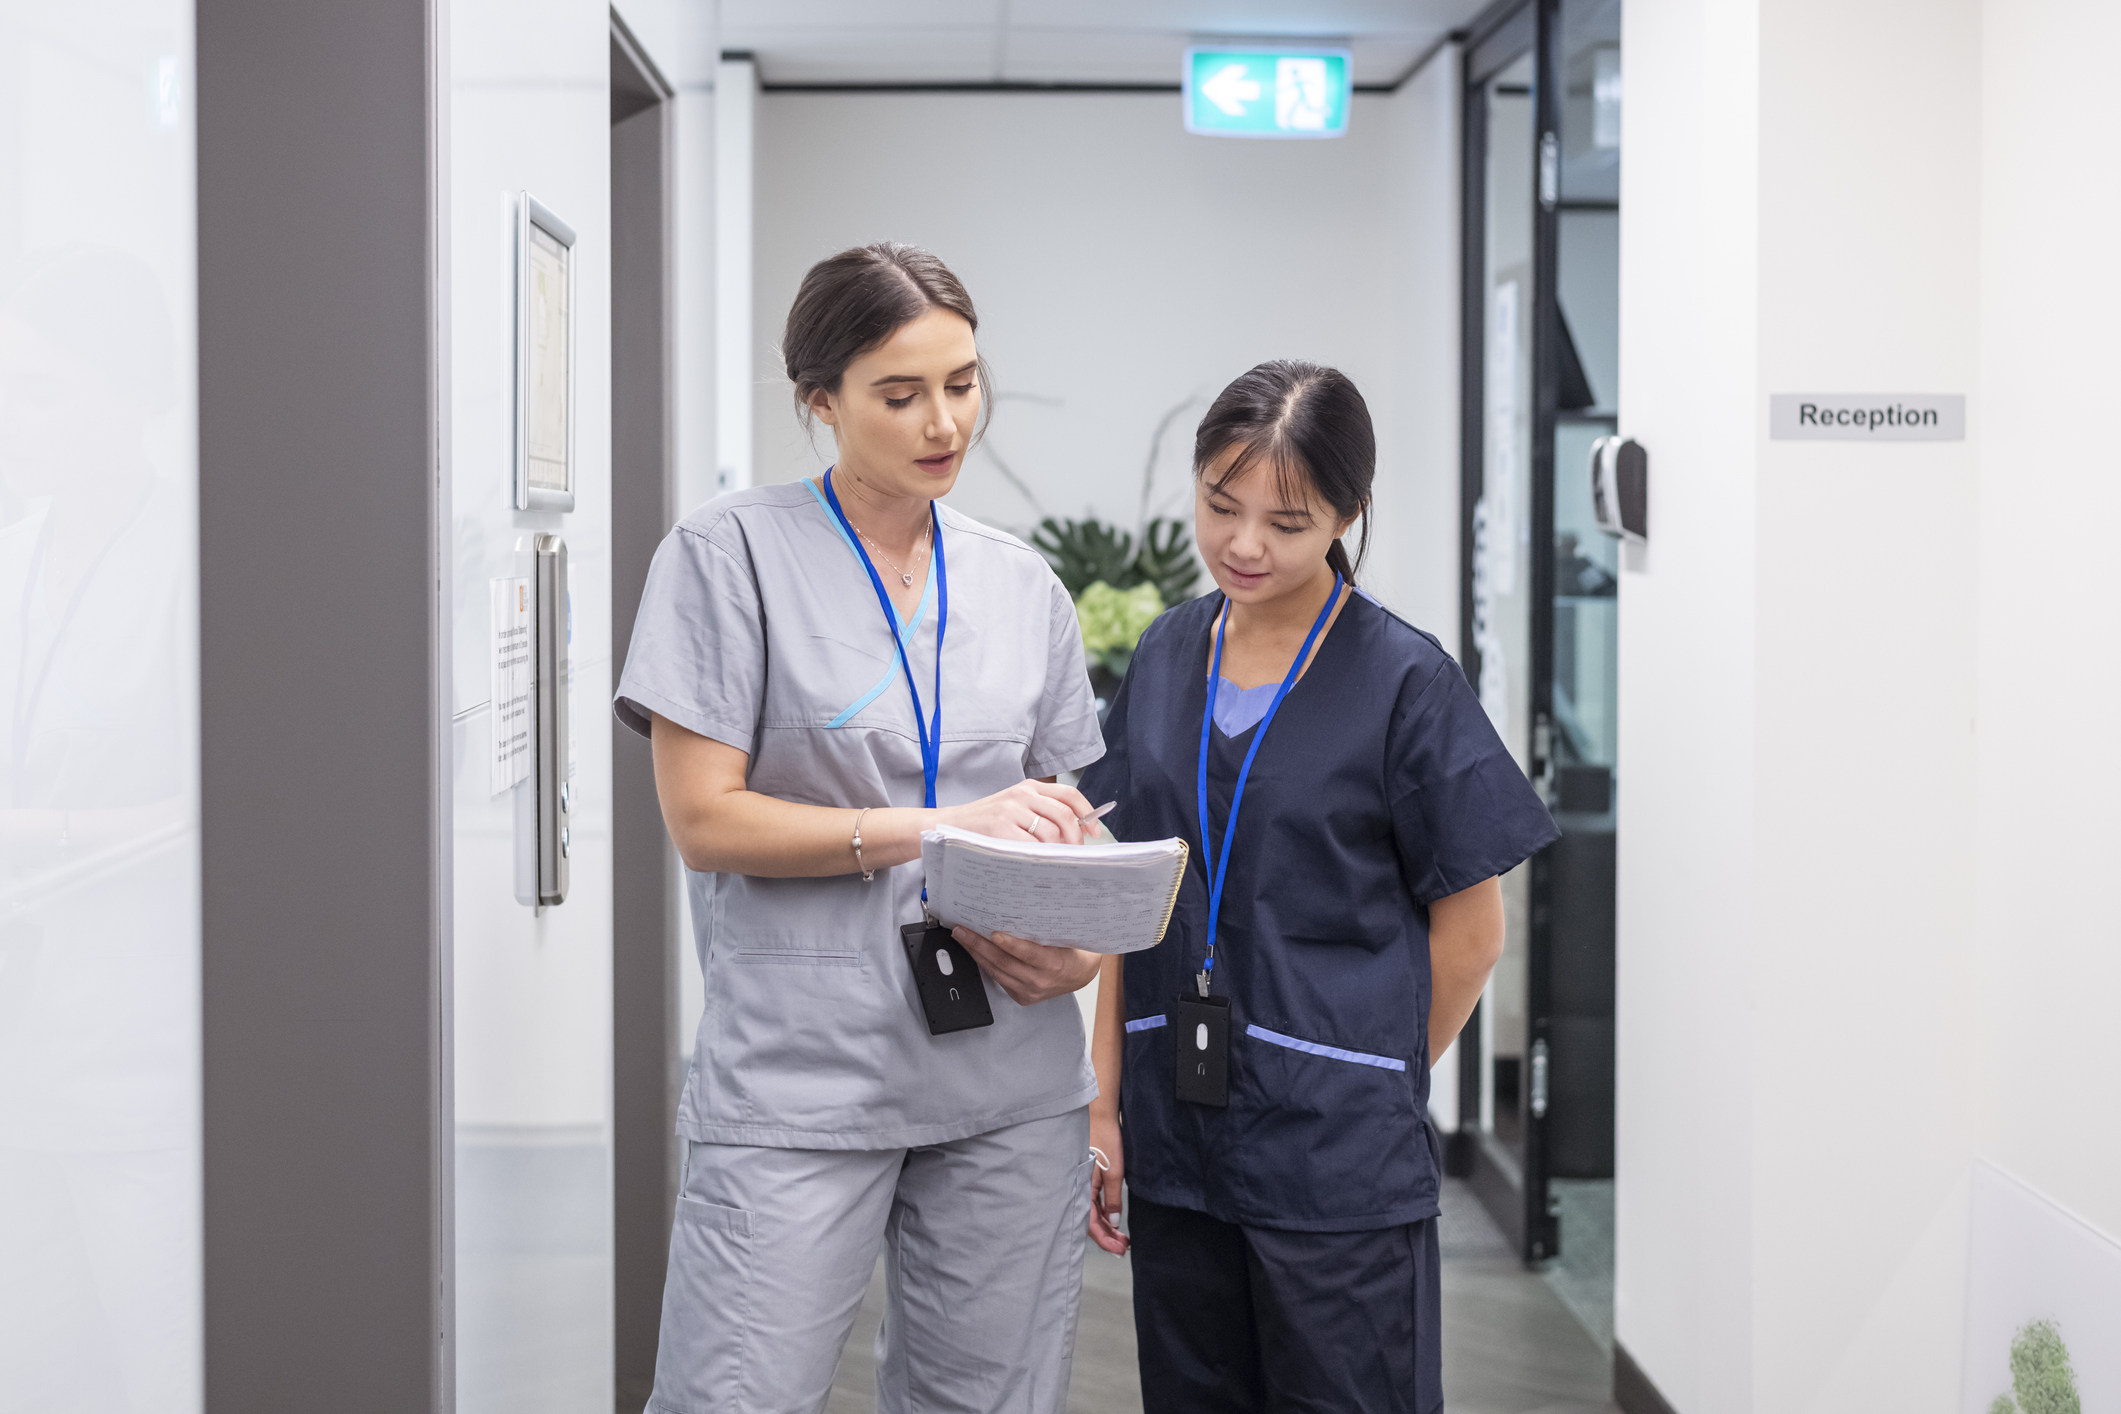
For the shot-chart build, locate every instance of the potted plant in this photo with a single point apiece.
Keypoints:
(1118, 587)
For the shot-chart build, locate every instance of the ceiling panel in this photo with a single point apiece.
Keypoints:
(875, 54)
(1382, 58)
(1123, 56)
(1260, 17)
(1089, 56)
(743, 16)
(1059, 41)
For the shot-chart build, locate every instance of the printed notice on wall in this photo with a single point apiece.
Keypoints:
(513, 673)
(1867, 417)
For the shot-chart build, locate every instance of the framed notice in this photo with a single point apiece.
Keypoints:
(545, 410)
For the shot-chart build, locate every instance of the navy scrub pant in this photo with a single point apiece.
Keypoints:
(1263, 1321)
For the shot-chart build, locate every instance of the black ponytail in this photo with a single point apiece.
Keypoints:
(1313, 427)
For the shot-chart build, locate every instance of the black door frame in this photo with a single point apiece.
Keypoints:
(1513, 1187)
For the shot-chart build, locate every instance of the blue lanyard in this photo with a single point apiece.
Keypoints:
(931, 734)
(1237, 796)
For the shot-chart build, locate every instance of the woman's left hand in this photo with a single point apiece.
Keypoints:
(1029, 972)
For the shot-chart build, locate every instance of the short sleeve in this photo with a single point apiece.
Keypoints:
(1065, 736)
(698, 655)
(1462, 811)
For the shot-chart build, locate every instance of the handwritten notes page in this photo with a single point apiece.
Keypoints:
(1109, 898)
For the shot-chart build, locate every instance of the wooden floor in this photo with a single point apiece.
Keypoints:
(1510, 1344)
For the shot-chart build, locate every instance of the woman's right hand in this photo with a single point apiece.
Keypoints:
(1106, 1184)
(1028, 810)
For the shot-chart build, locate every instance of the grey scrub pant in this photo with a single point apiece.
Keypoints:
(983, 1247)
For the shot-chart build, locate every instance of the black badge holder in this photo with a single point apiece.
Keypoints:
(953, 996)
(1200, 1041)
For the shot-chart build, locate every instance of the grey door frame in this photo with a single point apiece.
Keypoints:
(325, 752)
(644, 962)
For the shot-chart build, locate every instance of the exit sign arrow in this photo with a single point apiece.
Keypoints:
(1230, 89)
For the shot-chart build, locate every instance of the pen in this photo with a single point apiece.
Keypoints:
(1098, 814)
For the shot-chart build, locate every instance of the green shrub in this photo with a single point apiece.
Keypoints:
(2040, 1374)
(1113, 621)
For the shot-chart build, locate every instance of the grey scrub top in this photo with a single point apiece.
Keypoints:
(758, 627)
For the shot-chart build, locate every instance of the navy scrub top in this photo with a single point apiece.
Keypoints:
(1381, 787)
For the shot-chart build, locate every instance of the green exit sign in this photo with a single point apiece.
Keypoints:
(1258, 92)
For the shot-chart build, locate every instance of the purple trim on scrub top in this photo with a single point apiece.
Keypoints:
(1146, 1023)
(1261, 1033)
(1238, 709)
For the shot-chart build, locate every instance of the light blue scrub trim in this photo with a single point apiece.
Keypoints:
(1261, 1033)
(906, 628)
(1238, 709)
(1147, 1023)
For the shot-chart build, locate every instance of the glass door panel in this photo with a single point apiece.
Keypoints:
(100, 1232)
(1502, 521)
(1542, 384)
(1579, 898)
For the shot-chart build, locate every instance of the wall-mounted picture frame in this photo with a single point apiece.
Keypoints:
(545, 364)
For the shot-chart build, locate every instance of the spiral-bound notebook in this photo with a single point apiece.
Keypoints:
(1109, 898)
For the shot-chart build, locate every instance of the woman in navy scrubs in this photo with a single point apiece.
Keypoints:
(1268, 1064)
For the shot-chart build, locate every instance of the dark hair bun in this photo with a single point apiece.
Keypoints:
(1311, 425)
(851, 302)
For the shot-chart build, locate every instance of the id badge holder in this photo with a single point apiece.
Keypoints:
(1200, 1041)
(953, 996)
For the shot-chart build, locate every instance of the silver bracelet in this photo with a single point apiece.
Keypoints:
(868, 874)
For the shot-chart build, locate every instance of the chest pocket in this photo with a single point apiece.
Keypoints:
(794, 955)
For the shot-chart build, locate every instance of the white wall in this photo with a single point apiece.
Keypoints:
(529, 109)
(1864, 704)
(681, 39)
(1684, 1063)
(99, 926)
(1414, 541)
(1122, 267)
(530, 1025)
(2047, 935)
(736, 100)
(1860, 943)
(1416, 534)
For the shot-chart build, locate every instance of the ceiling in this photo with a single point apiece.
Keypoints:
(1061, 41)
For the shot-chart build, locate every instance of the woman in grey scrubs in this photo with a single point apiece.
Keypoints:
(804, 736)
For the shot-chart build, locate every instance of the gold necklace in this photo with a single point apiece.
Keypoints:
(904, 578)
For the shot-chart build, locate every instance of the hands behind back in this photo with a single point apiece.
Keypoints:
(1107, 1183)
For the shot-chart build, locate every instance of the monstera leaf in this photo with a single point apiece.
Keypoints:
(1166, 561)
(1083, 552)
(1087, 552)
